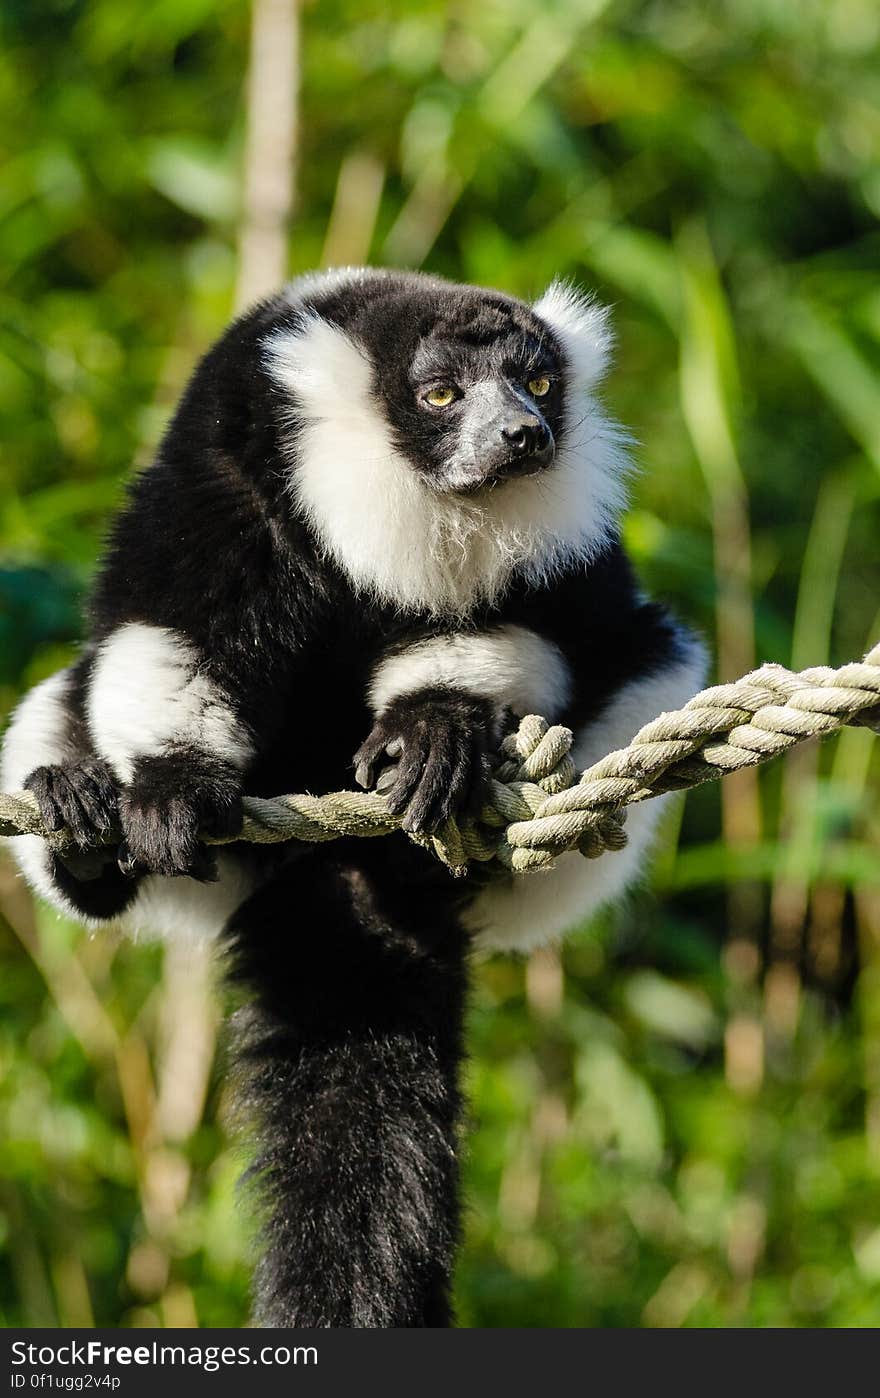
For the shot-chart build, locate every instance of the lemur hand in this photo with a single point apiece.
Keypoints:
(427, 755)
(168, 802)
(82, 797)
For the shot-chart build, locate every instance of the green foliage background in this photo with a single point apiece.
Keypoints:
(676, 1122)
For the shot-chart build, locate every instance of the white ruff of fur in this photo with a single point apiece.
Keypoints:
(404, 543)
(510, 665)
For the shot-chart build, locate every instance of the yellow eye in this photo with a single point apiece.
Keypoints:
(539, 388)
(440, 397)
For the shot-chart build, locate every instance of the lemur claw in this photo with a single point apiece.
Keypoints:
(82, 797)
(426, 755)
(170, 802)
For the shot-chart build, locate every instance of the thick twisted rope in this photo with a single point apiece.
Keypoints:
(537, 807)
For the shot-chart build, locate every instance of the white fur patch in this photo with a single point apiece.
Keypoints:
(394, 536)
(184, 910)
(36, 737)
(512, 666)
(148, 692)
(520, 912)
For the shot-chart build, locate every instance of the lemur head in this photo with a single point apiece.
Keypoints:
(471, 383)
(441, 436)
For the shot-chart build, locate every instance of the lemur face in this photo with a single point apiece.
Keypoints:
(440, 437)
(472, 388)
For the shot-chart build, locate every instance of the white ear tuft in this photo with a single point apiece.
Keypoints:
(583, 328)
(317, 362)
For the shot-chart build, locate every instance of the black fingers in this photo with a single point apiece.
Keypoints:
(160, 837)
(428, 755)
(81, 797)
(170, 802)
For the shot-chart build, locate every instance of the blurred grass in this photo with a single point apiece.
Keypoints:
(676, 1120)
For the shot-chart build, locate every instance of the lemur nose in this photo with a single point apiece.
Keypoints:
(526, 436)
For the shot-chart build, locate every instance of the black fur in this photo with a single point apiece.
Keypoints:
(350, 1051)
(352, 954)
(167, 802)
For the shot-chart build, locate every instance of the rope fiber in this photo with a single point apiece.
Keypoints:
(538, 806)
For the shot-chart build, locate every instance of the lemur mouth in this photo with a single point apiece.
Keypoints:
(499, 478)
(515, 467)
(518, 469)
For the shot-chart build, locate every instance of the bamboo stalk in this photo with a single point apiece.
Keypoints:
(270, 149)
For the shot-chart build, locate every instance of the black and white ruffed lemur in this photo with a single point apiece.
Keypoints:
(384, 518)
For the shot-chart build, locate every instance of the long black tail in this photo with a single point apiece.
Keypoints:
(351, 1048)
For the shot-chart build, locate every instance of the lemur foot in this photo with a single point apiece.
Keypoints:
(82, 797)
(428, 754)
(169, 802)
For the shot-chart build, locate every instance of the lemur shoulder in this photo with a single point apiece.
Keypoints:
(383, 519)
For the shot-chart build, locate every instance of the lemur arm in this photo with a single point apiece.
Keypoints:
(138, 735)
(440, 704)
(166, 697)
(588, 649)
(177, 743)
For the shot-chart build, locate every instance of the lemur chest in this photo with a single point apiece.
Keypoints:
(363, 661)
(321, 716)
